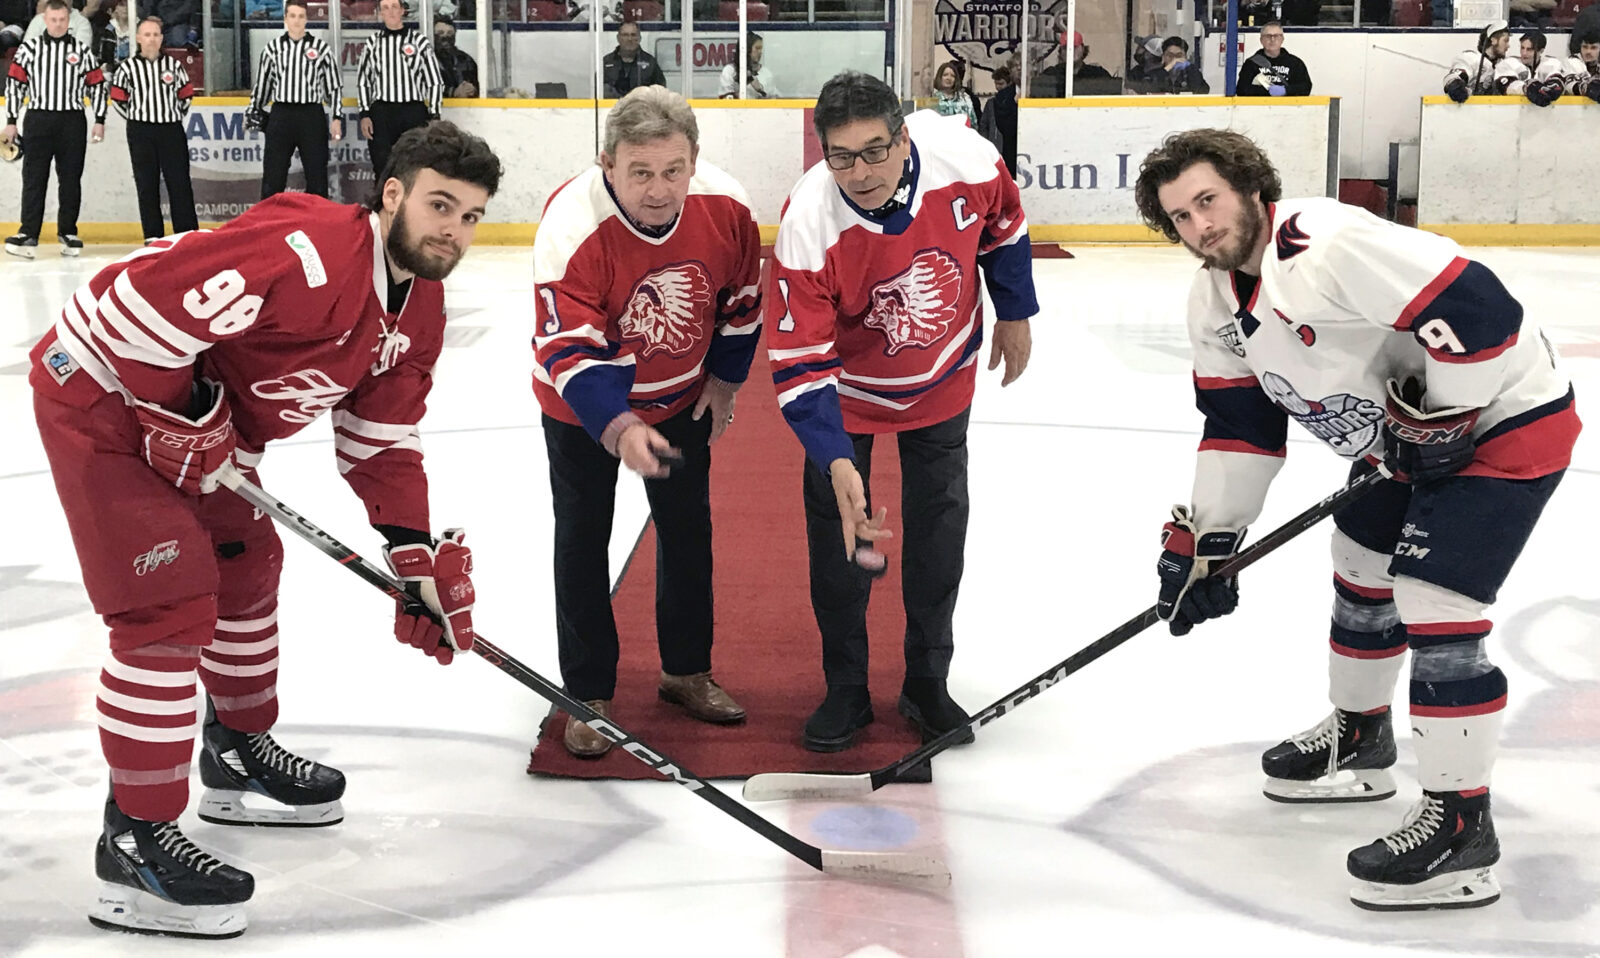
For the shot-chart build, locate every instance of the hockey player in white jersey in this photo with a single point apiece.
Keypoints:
(1393, 348)
(1533, 74)
(1473, 73)
(1583, 69)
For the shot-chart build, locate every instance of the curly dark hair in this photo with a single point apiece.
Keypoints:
(446, 149)
(1235, 156)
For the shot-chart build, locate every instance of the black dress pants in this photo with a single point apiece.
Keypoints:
(583, 483)
(290, 127)
(389, 122)
(61, 137)
(157, 151)
(934, 506)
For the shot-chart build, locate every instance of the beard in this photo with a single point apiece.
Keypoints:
(1235, 251)
(413, 255)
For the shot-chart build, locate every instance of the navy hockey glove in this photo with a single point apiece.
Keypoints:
(1591, 89)
(1423, 447)
(1456, 87)
(1189, 595)
(1544, 92)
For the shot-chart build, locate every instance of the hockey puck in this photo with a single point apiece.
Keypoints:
(672, 459)
(871, 561)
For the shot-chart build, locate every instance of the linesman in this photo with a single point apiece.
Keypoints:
(398, 83)
(297, 80)
(152, 92)
(53, 72)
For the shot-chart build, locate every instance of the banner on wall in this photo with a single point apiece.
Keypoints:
(986, 33)
(225, 163)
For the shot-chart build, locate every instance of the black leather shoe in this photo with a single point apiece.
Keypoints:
(927, 703)
(833, 726)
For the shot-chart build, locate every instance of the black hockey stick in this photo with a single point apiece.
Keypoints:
(772, 786)
(918, 871)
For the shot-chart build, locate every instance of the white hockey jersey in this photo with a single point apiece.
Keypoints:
(1345, 302)
(1513, 76)
(1482, 73)
(1580, 73)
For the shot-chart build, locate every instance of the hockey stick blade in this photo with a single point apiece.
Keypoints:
(779, 786)
(914, 871)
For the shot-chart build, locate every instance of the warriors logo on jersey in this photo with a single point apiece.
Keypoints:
(665, 309)
(1348, 424)
(916, 307)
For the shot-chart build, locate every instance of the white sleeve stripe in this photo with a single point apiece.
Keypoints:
(864, 396)
(582, 332)
(741, 329)
(248, 625)
(83, 351)
(1008, 241)
(361, 451)
(779, 355)
(240, 671)
(153, 320)
(746, 292)
(384, 431)
(247, 460)
(669, 383)
(126, 340)
(790, 395)
(566, 377)
(140, 733)
(220, 647)
(150, 677)
(139, 706)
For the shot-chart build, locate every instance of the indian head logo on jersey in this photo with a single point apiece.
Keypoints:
(1348, 424)
(1292, 240)
(915, 308)
(666, 308)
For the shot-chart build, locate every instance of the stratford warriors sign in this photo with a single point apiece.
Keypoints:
(986, 33)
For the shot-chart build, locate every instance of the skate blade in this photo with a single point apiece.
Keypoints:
(120, 908)
(1472, 888)
(222, 807)
(1351, 785)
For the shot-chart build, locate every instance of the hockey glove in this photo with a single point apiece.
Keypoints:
(1456, 88)
(189, 452)
(255, 119)
(1544, 92)
(1591, 89)
(1189, 595)
(1421, 447)
(440, 575)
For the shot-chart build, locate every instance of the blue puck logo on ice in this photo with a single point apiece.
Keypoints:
(1348, 424)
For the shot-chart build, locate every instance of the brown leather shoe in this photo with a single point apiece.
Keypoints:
(583, 741)
(701, 697)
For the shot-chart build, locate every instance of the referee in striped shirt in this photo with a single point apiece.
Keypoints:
(53, 72)
(152, 92)
(397, 83)
(297, 75)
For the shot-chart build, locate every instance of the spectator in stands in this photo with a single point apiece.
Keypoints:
(180, 19)
(263, 9)
(951, 99)
(762, 85)
(1175, 73)
(628, 66)
(460, 72)
(103, 29)
(1088, 79)
(14, 19)
(1272, 70)
(77, 25)
(1300, 13)
(1002, 112)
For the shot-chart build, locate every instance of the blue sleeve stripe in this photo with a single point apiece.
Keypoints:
(1477, 308)
(801, 369)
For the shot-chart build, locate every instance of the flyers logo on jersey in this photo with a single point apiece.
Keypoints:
(312, 391)
(1292, 240)
(665, 309)
(915, 308)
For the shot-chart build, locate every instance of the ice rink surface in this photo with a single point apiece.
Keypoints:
(1120, 813)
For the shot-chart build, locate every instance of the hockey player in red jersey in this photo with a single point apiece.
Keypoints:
(191, 354)
(647, 268)
(1391, 346)
(876, 325)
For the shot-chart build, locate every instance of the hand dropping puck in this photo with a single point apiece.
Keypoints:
(871, 561)
(672, 459)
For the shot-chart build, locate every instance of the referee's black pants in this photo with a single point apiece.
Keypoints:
(583, 483)
(157, 151)
(60, 136)
(290, 127)
(389, 122)
(934, 506)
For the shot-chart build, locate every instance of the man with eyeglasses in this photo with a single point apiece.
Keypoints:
(876, 323)
(1272, 70)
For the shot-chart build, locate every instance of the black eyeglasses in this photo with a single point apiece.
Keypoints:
(872, 155)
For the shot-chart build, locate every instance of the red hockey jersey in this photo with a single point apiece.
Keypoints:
(286, 307)
(630, 322)
(877, 321)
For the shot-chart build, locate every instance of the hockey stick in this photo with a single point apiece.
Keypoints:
(900, 868)
(772, 786)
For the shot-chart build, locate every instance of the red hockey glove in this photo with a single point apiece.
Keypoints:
(1422, 447)
(1189, 594)
(441, 576)
(189, 452)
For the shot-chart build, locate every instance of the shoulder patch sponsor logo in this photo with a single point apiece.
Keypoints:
(162, 553)
(310, 259)
(916, 307)
(1292, 240)
(667, 310)
(60, 365)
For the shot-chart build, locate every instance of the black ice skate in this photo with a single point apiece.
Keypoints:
(252, 780)
(1438, 858)
(1345, 758)
(157, 882)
